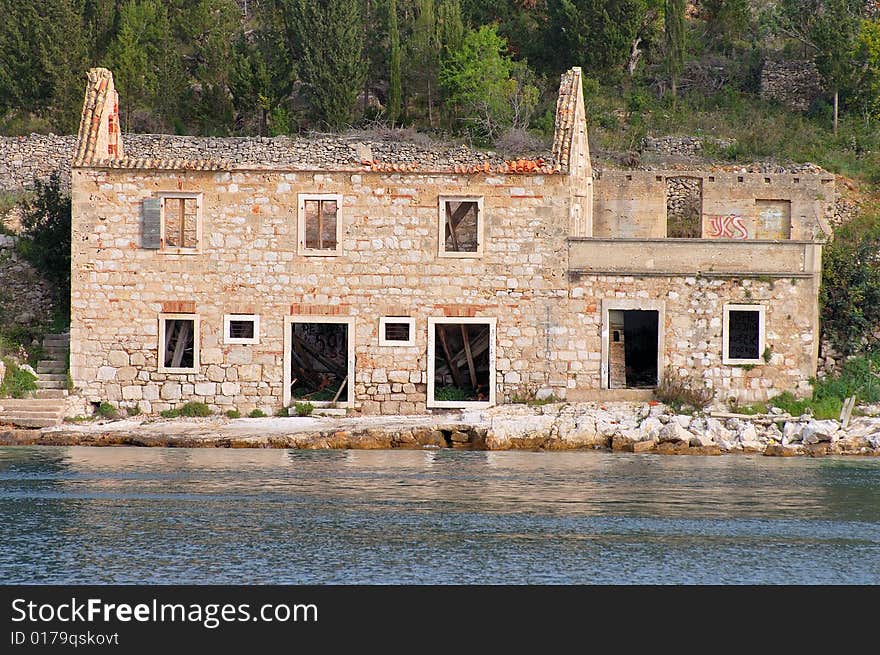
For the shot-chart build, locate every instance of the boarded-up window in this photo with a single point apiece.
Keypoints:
(180, 222)
(773, 219)
(461, 226)
(179, 341)
(320, 224)
(743, 334)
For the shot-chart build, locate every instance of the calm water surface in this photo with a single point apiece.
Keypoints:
(130, 515)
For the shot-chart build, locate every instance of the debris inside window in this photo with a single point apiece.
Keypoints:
(462, 226)
(179, 346)
(320, 224)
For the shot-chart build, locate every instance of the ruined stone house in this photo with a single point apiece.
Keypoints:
(399, 286)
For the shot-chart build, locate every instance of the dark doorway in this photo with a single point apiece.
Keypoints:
(632, 348)
(640, 340)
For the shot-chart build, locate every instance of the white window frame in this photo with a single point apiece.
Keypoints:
(174, 250)
(228, 318)
(441, 226)
(349, 386)
(433, 321)
(385, 320)
(196, 342)
(725, 354)
(301, 225)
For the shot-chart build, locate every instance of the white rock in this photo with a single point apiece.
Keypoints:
(700, 439)
(673, 432)
(651, 428)
(817, 431)
(684, 420)
(27, 367)
(792, 432)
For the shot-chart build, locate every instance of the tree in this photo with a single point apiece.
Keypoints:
(45, 228)
(326, 38)
(726, 20)
(145, 65)
(394, 90)
(674, 23)
(829, 30)
(867, 58)
(490, 92)
(598, 34)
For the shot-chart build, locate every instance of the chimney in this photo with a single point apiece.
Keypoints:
(100, 136)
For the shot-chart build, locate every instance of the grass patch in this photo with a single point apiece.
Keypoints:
(751, 410)
(303, 409)
(858, 376)
(257, 413)
(232, 413)
(17, 383)
(452, 393)
(189, 410)
(324, 394)
(78, 419)
(282, 411)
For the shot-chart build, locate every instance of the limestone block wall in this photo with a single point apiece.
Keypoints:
(693, 330)
(634, 203)
(389, 266)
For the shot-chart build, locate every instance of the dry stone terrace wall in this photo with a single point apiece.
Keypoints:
(793, 83)
(692, 332)
(389, 265)
(27, 158)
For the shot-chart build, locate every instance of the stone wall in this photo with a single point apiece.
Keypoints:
(24, 159)
(634, 203)
(684, 146)
(794, 83)
(249, 263)
(25, 298)
(692, 329)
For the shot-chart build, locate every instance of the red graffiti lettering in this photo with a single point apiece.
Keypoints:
(727, 227)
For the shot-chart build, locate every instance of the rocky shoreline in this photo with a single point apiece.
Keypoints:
(626, 427)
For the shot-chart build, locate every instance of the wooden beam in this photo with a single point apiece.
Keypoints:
(182, 335)
(450, 227)
(339, 390)
(467, 352)
(453, 369)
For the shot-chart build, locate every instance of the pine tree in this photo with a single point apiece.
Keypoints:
(327, 40)
(394, 90)
(674, 23)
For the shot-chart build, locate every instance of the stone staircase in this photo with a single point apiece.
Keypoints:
(45, 406)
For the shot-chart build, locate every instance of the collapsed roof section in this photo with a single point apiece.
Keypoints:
(99, 145)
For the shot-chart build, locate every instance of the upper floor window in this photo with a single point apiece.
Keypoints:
(181, 225)
(319, 224)
(461, 226)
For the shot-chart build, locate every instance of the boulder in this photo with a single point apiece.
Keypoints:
(700, 440)
(778, 450)
(673, 432)
(818, 431)
(748, 439)
(717, 431)
(651, 428)
(791, 432)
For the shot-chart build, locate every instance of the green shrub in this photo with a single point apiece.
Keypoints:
(106, 410)
(282, 411)
(134, 411)
(451, 392)
(678, 392)
(257, 413)
(303, 409)
(233, 413)
(190, 410)
(828, 407)
(17, 383)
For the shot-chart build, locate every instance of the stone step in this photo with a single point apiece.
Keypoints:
(47, 369)
(56, 350)
(60, 377)
(31, 404)
(49, 393)
(51, 384)
(63, 338)
(27, 413)
(27, 422)
(50, 362)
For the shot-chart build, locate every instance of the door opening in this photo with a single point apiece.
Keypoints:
(632, 348)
